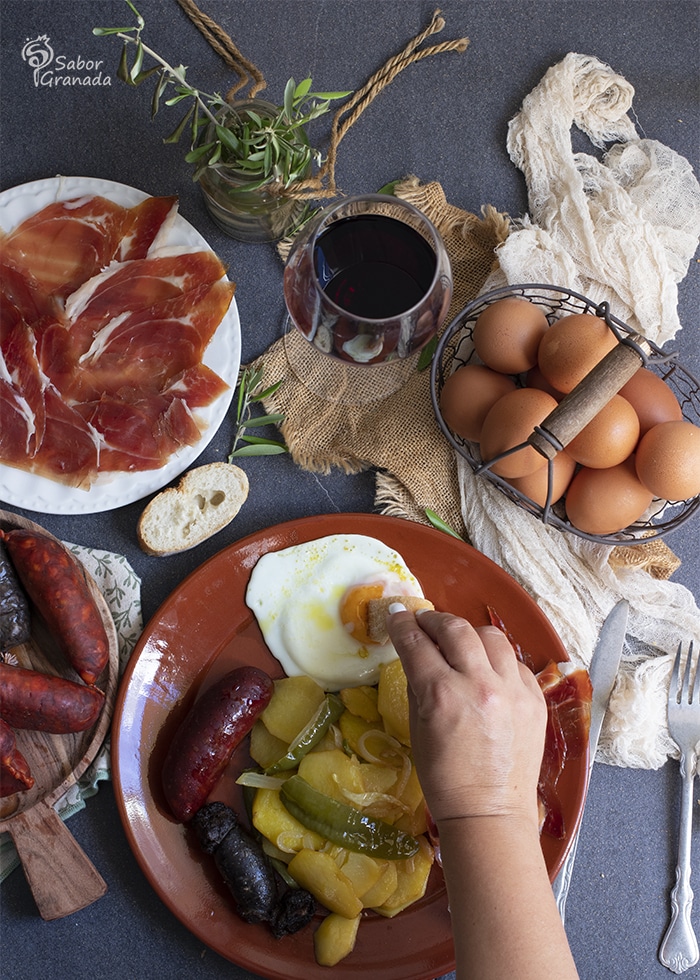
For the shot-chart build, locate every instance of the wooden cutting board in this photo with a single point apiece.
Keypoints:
(61, 876)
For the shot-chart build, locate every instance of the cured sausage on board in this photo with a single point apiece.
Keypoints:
(41, 702)
(56, 584)
(14, 768)
(15, 618)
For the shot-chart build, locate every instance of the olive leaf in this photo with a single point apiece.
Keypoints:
(157, 92)
(179, 129)
(263, 148)
(249, 392)
(138, 63)
(426, 355)
(438, 523)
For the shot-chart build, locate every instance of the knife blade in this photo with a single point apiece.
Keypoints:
(603, 671)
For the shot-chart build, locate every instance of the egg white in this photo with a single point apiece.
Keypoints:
(296, 594)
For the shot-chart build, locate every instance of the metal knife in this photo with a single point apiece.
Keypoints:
(603, 671)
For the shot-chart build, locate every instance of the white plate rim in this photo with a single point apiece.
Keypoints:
(32, 492)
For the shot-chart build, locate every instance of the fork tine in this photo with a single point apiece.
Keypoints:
(674, 687)
(685, 693)
(695, 692)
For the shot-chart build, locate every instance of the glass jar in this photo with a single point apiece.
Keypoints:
(248, 215)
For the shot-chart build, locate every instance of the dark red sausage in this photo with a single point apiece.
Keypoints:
(44, 703)
(14, 768)
(56, 584)
(207, 736)
(15, 621)
(9, 784)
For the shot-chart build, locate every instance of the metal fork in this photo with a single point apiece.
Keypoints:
(679, 948)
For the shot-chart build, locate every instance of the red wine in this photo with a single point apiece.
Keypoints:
(373, 266)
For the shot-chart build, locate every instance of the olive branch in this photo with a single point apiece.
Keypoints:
(267, 148)
(249, 394)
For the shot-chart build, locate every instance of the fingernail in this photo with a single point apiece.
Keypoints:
(396, 607)
(419, 612)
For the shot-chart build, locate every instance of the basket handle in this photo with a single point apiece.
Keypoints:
(577, 408)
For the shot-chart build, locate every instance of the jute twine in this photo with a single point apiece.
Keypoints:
(224, 46)
(321, 185)
(358, 428)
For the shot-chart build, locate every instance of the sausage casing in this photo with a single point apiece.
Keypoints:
(250, 877)
(14, 768)
(56, 584)
(241, 861)
(15, 623)
(41, 702)
(209, 733)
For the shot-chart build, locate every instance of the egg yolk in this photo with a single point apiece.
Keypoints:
(353, 610)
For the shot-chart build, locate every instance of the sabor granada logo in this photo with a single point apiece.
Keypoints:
(52, 70)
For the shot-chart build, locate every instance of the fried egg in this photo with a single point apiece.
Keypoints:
(310, 601)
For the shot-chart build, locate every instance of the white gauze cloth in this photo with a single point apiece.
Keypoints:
(622, 230)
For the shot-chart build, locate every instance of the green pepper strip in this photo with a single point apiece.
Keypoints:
(330, 709)
(344, 825)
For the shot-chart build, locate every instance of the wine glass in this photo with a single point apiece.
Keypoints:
(367, 283)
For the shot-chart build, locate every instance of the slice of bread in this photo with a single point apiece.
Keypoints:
(205, 500)
(377, 610)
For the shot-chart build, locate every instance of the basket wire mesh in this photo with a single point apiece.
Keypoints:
(456, 349)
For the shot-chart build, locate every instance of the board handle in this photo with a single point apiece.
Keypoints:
(62, 878)
(576, 409)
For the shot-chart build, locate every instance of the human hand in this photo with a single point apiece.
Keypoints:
(477, 716)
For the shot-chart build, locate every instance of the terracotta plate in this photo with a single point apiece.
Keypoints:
(204, 629)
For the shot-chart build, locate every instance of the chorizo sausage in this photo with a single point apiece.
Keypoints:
(15, 622)
(207, 736)
(9, 784)
(44, 703)
(56, 584)
(14, 768)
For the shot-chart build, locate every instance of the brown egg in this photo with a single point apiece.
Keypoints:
(507, 334)
(572, 347)
(535, 379)
(652, 399)
(536, 485)
(467, 396)
(609, 437)
(510, 422)
(606, 501)
(668, 460)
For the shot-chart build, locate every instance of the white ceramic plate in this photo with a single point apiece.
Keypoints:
(223, 355)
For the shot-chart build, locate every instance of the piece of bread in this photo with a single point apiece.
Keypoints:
(377, 611)
(205, 500)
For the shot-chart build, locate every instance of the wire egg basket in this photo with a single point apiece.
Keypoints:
(456, 349)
